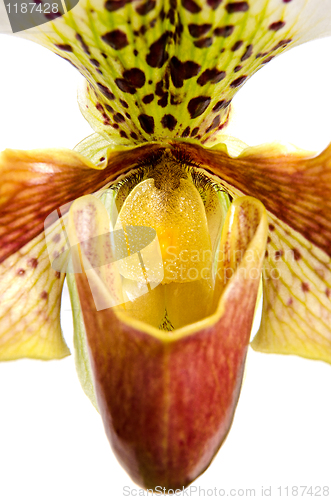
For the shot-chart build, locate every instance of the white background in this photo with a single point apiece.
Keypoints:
(52, 443)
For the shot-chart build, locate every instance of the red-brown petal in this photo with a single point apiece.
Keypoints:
(167, 399)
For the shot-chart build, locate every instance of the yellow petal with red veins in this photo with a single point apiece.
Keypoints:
(30, 292)
(296, 316)
(295, 187)
(35, 183)
(167, 398)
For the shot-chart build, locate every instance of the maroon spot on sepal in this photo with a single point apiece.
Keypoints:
(186, 132)
(215, 124)
(224, 31)
(214, 3)
(248, 52)
(169, 122)
(146, 123)
(305, 287)
(163, 101)
(237, 68)
(238, 81)
(181, 71)
(33, 263)
(198, 30)
(203, 43)
(148, 98)
(237, 45)
(118, 118)
(117, 39)
(268, 59)
(64, 46)
(191, 6)
(83, 44)
(277, 25)
(112, 5)
(194, 131)
(211, 75)
(234, 7)
(146, 7)
(124, 104)
(44, 295)
(106, 92)
(198, 105)
(221, 105)
(20, 272)
(158, 55)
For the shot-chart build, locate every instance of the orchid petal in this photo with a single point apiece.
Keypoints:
(295, 188)
(30, 292)
(167, 69)
(142, 375)
(36, 183)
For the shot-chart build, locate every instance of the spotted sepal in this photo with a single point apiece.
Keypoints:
(164, 69)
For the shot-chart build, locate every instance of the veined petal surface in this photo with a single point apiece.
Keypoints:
(167, 399)
(296, 191)
(167, 68)
(36, 183)
(30, 300)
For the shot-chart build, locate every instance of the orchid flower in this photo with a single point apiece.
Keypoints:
(164, 366)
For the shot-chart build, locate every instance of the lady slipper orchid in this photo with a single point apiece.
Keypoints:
(164, 231)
